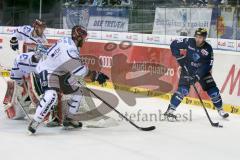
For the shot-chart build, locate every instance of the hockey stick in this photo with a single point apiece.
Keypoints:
(119, 113)
(214, 124)
(23, 109)
(25, 112)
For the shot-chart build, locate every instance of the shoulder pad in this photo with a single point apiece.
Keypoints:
(25, 29)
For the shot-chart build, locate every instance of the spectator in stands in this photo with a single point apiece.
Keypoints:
(97, 2)
(215, 2)
(115, 2)
(200, 3)
(89, 2)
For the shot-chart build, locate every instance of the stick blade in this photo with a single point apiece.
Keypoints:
(217, 125)
(147, 128)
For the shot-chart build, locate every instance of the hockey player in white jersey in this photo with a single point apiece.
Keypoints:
(20, 93)
(63, 57)
(29, 34)
(25, 63)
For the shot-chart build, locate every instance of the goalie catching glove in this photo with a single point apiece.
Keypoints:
(14, 43)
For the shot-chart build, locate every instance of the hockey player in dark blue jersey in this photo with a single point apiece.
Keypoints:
(198, 60)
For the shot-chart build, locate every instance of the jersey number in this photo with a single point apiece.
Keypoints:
(24, 57)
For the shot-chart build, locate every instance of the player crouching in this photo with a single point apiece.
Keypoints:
(62, 58)
(19, 93)
(196, 67)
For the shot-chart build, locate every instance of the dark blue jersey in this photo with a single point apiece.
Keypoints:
(198, 60)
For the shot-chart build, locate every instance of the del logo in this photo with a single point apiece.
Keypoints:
(204, 52)
(233, 79)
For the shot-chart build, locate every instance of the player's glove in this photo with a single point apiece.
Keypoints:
(14, 43)
(100, 77)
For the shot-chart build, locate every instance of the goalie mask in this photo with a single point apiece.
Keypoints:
(39, 27)
(79, 34)
(40, 50)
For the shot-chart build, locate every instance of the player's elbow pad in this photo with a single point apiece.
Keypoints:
(81, 71)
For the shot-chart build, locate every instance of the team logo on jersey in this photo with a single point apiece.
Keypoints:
(44, 83)
(195, 57)
(204, 52)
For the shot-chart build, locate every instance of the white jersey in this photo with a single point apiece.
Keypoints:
(24, 33)
(63, 57)
(23, 66)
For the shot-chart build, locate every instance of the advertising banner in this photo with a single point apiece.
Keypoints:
(181, 21)
(222, 23)
(97, 18)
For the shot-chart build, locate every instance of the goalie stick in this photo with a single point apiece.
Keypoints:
(25, 112)
(23, 109)
(214, 124)
(119, 113)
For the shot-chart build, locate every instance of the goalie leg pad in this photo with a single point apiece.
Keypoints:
(45, 105)
(33, 88)
(16, 97)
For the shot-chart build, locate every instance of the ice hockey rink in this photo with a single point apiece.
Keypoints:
(195, 139)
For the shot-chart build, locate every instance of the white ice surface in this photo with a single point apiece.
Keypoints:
(192, 140)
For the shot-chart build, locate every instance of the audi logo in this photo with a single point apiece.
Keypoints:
(105, 61)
